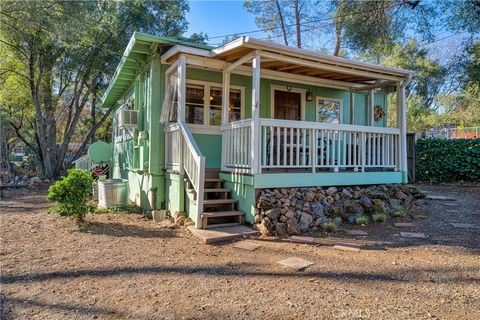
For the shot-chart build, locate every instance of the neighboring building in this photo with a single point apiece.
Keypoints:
(292, 118)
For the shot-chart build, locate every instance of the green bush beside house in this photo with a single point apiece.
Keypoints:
(448, 160)
(72, 195)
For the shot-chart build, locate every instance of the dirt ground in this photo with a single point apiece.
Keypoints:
(123, 266)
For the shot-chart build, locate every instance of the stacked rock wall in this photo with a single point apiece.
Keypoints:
(295, 210)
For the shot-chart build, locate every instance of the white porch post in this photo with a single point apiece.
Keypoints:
(225, 106)
(371, 104)
(225, 96)
(402, 125)
(255, 135)
(181, 84)
(352, 107)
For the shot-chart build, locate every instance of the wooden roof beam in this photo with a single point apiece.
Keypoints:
(328, 67)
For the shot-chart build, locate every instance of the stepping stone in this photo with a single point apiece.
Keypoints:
(413, 235)
(295, 263)
(464, 225)
(344, 247)
(357, 232)
(246, 245)
(443, 198)
(302, 239)
(403, 224)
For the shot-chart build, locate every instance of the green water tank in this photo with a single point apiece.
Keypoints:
(100, 151)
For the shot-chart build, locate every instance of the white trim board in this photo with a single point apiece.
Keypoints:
(303, 98)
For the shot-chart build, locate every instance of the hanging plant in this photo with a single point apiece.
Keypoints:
(378, 113)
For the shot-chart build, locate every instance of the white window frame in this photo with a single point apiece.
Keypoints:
(303, 99)
(340, 112)
(207, 128)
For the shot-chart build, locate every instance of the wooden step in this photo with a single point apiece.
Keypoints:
(213, 180)
(219, 201)
(222, 214)
(210, 190)
(221, 225)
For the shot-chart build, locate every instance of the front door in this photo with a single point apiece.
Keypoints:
(287, 105)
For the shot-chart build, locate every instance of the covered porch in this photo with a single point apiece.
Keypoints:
(288, 144)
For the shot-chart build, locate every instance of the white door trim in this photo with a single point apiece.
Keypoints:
(303, 93)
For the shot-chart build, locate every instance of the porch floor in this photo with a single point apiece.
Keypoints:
(221, 234)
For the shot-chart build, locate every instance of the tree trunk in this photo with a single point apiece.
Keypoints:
(338, 38)
(297, 24)
(93, 112)
(282, 22)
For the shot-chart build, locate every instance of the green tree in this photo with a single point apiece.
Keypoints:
(64, 51)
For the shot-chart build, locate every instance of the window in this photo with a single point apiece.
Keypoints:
(194, 99)
(328, 110)
(204, 104)
(235, 105)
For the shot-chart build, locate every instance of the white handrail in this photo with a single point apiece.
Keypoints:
(193, 163)
(183, 154)
(326, 126)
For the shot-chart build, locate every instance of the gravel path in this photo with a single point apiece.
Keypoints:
(123, 266)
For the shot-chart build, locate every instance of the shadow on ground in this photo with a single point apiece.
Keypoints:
(6, 303)
(248, 270)
(114, 229)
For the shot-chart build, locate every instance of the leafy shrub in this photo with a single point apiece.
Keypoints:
(362, 219)
(448, 160)
(72, 194)
(379, 217)
(400, 213)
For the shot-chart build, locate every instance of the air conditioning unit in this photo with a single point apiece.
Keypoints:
(128, 118)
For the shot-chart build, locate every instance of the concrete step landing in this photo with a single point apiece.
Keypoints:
(221, 234)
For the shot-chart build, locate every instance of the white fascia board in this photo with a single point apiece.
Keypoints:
(184, 49)
(229, 46)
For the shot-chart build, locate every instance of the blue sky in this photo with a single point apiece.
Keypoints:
(219, 18)
(222, 17)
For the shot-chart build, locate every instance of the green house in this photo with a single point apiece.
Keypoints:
(292, 118)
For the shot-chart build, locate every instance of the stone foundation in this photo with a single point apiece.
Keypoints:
(292, 211)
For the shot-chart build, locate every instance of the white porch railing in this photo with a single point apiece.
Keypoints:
(172, 146)
(286, 144)
(183, 154)
(237, 146)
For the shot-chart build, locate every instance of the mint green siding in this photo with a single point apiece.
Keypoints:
(174, 192)
(142, 162)
(272, 180)
(243, 191)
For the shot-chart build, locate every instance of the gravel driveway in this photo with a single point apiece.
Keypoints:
(123, 266)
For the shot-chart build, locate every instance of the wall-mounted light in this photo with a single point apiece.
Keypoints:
(289, 87)
(309, 96)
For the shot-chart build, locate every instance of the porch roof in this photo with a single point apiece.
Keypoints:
(302, 62)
